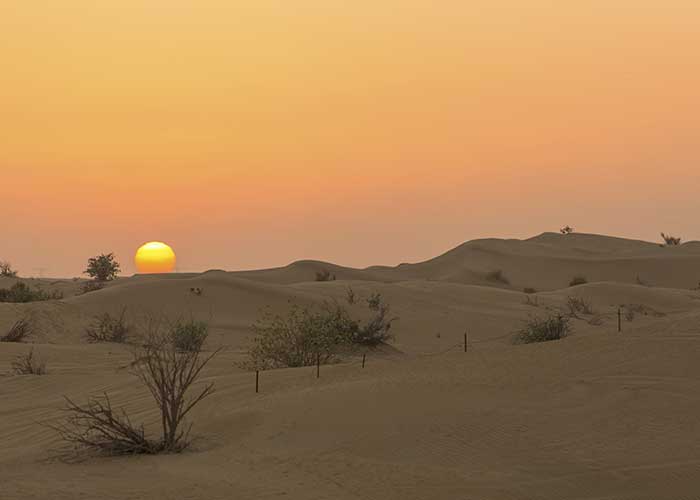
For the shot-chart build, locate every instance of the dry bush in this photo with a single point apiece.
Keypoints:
(28, 364)
(324, 275)
(543, 330)
(578, 280)
(18, 332)
(670, 240)
(108, 328)
(189, 335)
(578, 305)
(532, 300)
(170, 376)
(377, 329)
(566, 230)
(528, 289)
(21, 293)
(6, 270)
(497, 276)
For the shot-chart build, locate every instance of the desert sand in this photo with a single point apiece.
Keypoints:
(597, 415)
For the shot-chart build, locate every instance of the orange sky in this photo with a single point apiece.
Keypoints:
(251, 133)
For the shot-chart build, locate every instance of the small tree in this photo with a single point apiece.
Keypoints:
(566, 230)
(170, 375)
(670, 240)
(6, 270)
(104, 267)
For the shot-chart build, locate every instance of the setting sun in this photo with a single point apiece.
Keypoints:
(155, 257)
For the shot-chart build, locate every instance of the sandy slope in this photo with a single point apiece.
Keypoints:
(598, 415)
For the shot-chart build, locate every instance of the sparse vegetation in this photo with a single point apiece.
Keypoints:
(6, 270)
(529, 290)
(91, 286)
(324, 275)
(578, 305)
(108, 328)
(28, 364)
(305, 336)
(170, 375)
(104, 267)
(543, 330)
(566, 230)
(578, 280)
(189, 335)
(670, 240)
(20, 292)
(497, 276)
(19, 331)
(532, 300)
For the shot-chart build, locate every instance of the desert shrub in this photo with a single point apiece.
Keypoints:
(19, 331)
(6, 270)
(170, 376)
(543, 330)
(188, 335)
(108, 328)
(532, 300)
(528, 289)
(578, 305)
(20, 293)
(300, 338)
(104, 267)
(497, 276)
(324, 275)
(377, 329)
(566, 230)
(578, 280)
(91, 286)
(28, 364)
(670, 240)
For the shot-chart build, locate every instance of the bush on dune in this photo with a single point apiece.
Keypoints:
(543, 330)
(19, 331)
(108, 328)
(6, 270)
(28, 364)
(170, 375)
(20, 292)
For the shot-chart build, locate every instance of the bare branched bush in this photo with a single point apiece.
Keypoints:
(566, 230)
(108, 328)
(170, 375)
(578, 305)
(532, 300)
(670, 240)
(324, 275)
(6, 270)
(578, 280)
(29, 364)
(543, 330)
(497, 276)
(21, 293)
(18, 332)
(377, 329)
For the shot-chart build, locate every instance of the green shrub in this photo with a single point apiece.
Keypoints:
(189, 336)
(543, 330)
(578, 280)
(20, 292)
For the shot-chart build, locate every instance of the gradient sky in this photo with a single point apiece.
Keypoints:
(252, 133)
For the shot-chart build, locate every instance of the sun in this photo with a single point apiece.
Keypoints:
(155, 257)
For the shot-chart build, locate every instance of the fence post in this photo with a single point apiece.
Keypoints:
(318, 365)
(465, 340)
(257, 380)
(619, 320)
(363, 360)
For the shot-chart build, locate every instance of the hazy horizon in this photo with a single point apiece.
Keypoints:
(256, 134)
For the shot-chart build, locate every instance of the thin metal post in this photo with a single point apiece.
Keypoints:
(257, 381)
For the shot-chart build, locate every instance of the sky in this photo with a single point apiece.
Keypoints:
(252, 133)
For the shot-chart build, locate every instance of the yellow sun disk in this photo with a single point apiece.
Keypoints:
(155, 257)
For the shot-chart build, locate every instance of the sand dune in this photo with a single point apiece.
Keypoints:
(596, 415)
